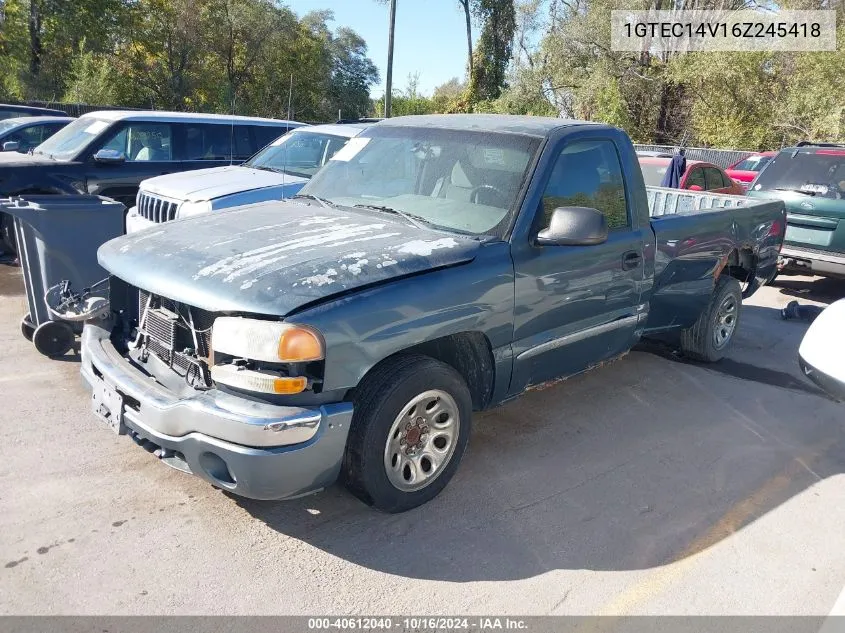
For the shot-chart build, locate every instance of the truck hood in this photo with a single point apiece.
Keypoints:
(209, 184)
(14, 159)
(271, 258)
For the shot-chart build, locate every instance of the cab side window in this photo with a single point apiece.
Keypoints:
(208, 141)
(714, 179)
(143, 142)
(28, 137)
(588, 174)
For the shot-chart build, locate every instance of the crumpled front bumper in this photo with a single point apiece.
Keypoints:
(251, 449)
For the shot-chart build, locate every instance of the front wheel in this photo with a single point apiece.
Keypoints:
(709, 338)
(409, 431)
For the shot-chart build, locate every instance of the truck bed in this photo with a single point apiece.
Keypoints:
(697, 234)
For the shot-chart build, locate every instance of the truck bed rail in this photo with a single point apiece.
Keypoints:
(665, 201)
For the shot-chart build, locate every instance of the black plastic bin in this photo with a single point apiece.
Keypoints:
(58, 237)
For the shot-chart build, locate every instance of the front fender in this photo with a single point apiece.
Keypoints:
(365, 327)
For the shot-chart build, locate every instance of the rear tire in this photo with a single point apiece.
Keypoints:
(410, 428)
(710, 337)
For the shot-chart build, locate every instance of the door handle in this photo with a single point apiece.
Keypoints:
(163, 173)
(631, 260)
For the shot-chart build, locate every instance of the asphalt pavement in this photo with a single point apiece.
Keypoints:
(649, 486)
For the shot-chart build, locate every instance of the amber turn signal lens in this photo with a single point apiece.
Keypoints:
(299, 345)
(289, 385)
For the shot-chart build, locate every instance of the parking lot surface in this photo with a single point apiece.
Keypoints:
(652, 485)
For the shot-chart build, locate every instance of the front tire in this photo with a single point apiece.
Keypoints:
(710, 337)
(409, 432)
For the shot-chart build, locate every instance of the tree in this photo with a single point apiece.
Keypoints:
(493, 53)
(465, 5)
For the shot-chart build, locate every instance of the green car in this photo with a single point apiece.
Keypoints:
(810, 179)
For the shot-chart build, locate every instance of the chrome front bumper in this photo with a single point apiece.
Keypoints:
(253, 449)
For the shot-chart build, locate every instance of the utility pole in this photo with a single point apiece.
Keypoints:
(389, 88)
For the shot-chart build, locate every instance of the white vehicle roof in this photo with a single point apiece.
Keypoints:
(37, 120)
(193, 117)
(346, 129)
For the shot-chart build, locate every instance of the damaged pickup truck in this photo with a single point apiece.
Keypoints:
(438, 265)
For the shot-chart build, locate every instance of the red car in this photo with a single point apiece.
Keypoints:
(699, 176)
(746, 170)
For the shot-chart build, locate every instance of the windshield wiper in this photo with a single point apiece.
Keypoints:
(806, 193)
(416, 220)
(263, 168)
(307, 196)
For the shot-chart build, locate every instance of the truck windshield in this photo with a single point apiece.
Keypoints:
(461, 181)
(818, 172)
(298, 153)
(8, 124)
(72, 139)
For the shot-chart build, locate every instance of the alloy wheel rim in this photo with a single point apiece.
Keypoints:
(726, 317)
(422, 440)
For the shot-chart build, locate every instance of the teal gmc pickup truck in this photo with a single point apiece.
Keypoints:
(810, 179)
(436, 266)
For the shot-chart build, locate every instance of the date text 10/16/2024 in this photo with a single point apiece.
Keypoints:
(421, 623)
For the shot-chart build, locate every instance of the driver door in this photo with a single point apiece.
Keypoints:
(578, 305)
(148, 151)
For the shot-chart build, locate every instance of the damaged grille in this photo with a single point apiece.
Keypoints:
(167, 326)
(156, 209)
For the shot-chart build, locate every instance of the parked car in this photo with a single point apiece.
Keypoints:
(699, 176)
(9, 111)
(109, 153)
(25, 133)
(744, 171)
(810, 179)
(822, 351)
(437, 265)
(278, 171)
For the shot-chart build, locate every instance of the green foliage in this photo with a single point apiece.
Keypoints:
(209, 55)
(493, 52)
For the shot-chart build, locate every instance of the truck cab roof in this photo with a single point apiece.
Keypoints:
(508, 123)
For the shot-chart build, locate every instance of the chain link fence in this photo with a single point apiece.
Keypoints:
(72, 109)
(721, 157)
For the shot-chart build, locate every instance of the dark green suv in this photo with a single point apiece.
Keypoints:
(810, 179)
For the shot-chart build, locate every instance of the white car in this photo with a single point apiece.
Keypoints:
(278, 171)
(822, 351)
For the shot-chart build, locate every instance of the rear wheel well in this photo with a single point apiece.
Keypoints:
(741, 265)
(468, 353)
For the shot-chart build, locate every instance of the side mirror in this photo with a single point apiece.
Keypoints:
(109, 157)
(574, 226)
(11, 146)
(695, 188)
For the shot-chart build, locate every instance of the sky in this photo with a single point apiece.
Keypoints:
(430, 37)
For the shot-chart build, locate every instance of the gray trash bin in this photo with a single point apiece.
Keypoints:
(58, 237)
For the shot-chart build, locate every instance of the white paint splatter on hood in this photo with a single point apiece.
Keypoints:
(424, 248)
(321, 280)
